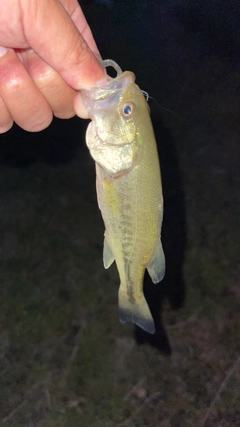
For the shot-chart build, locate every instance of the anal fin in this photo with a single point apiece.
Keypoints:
(156, 267)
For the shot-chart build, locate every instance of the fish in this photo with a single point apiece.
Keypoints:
(121, 141)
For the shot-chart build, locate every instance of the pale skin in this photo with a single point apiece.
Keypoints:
(46, 59)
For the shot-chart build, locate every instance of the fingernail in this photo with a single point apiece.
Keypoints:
(20, 53)
(3, 50)
(103, 81)
(106, 78)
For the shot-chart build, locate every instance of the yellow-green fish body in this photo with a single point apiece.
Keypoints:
(122, 143)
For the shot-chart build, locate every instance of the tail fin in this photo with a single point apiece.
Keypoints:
(136, 312)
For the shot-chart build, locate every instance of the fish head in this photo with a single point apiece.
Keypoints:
(112, 134)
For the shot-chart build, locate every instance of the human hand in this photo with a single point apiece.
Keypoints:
(45, 59)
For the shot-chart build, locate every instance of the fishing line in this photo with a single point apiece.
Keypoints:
(147, 96)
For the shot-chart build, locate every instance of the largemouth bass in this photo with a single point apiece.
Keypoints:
(129, 191)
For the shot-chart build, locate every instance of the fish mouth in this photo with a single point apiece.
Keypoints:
(94, 141)
(116, 160)
(107, 96)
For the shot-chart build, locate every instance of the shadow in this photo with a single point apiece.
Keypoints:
(55, 145)
(174, 241)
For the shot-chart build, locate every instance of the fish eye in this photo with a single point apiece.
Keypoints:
(129, 110)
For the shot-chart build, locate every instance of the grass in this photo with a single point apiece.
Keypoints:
(65, 359)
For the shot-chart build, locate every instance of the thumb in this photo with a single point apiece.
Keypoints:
(57, 40)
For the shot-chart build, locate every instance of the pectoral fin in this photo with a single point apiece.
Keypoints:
(156, 267)
(108, 256)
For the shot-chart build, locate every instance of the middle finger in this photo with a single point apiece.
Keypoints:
(25, 103)
(55, 90)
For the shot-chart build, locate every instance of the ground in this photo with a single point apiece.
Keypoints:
(66, 361)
